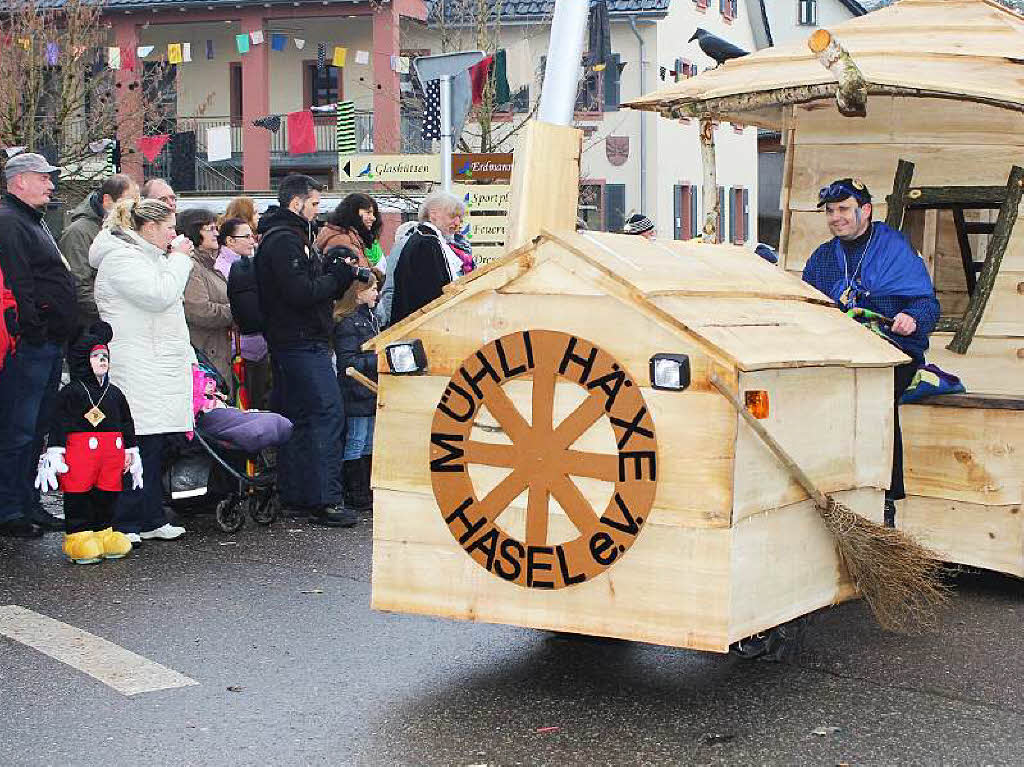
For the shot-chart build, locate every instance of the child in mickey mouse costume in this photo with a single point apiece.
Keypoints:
(91, 446)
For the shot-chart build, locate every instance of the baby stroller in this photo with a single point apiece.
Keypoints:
(228, 466)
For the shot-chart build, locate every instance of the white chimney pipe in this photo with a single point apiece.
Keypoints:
(565, 54)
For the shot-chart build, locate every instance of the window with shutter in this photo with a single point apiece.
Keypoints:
(745, 207)
(614, 207)
(807, 12)
(721, 214)
(732, 216)
(685, 209)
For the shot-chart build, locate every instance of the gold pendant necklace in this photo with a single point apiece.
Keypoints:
(94, 415)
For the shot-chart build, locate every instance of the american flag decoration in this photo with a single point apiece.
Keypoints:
(432, 111)
(346, 128)
(271, 122)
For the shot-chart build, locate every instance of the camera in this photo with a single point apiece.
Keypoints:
(363, 274)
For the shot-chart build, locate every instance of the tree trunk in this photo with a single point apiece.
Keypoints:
(707, 156)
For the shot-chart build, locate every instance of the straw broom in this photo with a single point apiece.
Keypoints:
(900, 579)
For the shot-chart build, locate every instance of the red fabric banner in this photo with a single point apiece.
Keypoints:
(151, 146)
(301, 136)
(478, 74)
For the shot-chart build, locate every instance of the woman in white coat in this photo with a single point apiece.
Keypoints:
(139, 288)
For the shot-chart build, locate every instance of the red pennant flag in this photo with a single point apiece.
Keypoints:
(151, 146)
(301, 136)
(478, 74)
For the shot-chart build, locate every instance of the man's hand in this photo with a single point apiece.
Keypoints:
(903, 324)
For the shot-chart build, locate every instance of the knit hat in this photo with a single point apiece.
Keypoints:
(638, 223)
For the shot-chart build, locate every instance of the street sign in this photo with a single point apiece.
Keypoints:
(485, 253)
(389, 167)
(486, 228)
(471, 168)
(492, 197)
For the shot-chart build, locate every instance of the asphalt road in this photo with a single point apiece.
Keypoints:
(282, 618)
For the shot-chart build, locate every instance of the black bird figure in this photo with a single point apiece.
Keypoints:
(715, 47)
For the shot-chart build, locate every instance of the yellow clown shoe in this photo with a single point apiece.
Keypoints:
(83, 548)
(114, 544)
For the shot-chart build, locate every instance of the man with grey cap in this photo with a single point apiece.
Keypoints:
(44, 289)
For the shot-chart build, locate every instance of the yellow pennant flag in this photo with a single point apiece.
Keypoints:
(174, 53)
(339, 56)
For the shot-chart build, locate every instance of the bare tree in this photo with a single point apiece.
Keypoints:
(58, 93)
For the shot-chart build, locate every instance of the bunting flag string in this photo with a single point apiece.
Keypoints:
(174, 53)
(339, 57)
(186, 52)
(257, 36)
(152, 146)
(114, 58)
(144, 50)
(277, 42)
(299, 43)
(242, 43)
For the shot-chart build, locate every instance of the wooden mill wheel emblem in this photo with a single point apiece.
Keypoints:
(542, 460)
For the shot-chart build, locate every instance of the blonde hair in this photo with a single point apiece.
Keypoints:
(242, 207)
(131, 213)
(347, 304)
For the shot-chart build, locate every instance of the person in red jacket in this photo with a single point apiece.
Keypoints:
(91, 445)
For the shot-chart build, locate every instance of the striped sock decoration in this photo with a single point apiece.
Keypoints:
(346, 130)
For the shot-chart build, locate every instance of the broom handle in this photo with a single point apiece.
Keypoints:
(355, 374)
(773, 445)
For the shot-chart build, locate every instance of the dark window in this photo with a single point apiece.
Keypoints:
(739, 215)
(808, 12)
(614, 207)
(322, 88)
(729, 8)
(236, 92)
(685, 204)
(591, 206)
(721, 214)
(612, 85)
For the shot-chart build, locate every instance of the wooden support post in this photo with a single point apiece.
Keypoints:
(897, 201)
(997, 244)
(852, 94)
(707, 156)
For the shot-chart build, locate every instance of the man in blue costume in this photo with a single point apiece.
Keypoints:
(866, 265)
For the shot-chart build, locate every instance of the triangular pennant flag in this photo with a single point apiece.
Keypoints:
(242, 41)
(277, 42)
(174, 53)
(346, 127)
(271, 122)
(209, 49)
(144, 50)
(114, 57)
(218, 143)
(151, 146)
(301, 134)
(362, 57)
(299, 43)
(339, 56)
(52, 54)
(186, 51)
(257, 36)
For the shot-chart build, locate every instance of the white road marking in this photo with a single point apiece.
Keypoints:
(116, 667)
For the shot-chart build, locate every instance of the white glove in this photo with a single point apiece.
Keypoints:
(135, 467)
(51, 463)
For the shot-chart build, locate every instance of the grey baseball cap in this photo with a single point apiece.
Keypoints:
(27, 162)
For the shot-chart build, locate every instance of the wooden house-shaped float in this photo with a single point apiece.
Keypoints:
(945, 91)
(550, 452)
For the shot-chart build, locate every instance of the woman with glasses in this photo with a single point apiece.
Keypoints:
(237, 240)
(207, 310)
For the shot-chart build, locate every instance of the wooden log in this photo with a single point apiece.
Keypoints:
(896, 200)
(710, 192)
(997, 246)
(852, 94)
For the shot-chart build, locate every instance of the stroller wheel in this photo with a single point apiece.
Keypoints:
(230, 515)
(264, 508)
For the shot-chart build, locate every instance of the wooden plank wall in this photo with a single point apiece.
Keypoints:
(951, 144)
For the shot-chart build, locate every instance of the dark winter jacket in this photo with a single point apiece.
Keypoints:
(420, 275)
(350, 333)
(83, 392)
(86, 220)
(297, 289)
(36, 273)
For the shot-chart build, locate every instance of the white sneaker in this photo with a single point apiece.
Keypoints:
(167, 532)
(134, 538)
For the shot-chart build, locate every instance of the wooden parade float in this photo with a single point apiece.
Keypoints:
(938, 84)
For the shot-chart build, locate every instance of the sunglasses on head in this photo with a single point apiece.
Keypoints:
(840, 190)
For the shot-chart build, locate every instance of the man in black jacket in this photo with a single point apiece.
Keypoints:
(297, 293)
(38, 276)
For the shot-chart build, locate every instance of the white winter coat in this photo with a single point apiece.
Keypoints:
(139, 292)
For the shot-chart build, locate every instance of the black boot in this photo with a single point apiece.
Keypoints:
(890, 512)
(366, 472)
(333, 516)
(356, 489)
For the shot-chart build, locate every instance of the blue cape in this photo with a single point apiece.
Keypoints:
(890, 268)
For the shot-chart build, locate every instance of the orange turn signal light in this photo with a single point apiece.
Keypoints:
(756, 401)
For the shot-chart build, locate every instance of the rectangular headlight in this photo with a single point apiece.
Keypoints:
(407, 357)
(670, 371)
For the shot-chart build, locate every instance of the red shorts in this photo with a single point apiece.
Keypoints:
(94, 459)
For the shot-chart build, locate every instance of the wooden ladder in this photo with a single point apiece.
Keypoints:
(981, 276)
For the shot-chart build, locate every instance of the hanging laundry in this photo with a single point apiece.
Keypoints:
(174, 53)
(182, 149)
(277, 42)
(299, 43)
(271, 122)
(362, 57)
(301, 135)
(257, 36)
(403, 65)
(502, 92)
(431, 111)
(242, 42)
(151, 146)
(218, 143)
(186, 52)
(144, 50)
(114, 57)
(519, 66)
(478, 74)
(345, 137)
(340, 54)
(599, 37)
